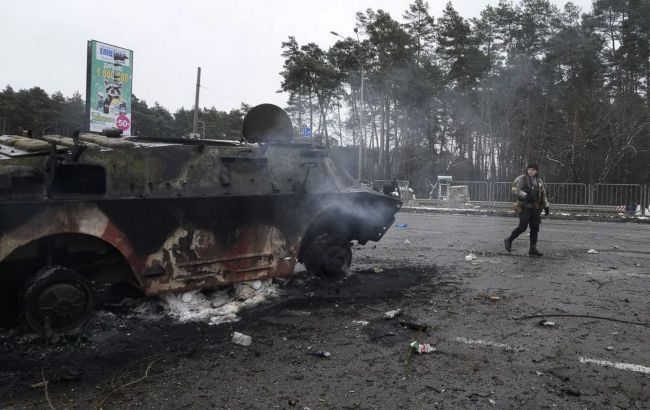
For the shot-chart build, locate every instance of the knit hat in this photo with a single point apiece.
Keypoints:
(533, 166)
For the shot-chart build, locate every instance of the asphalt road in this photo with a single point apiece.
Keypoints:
(489, 353)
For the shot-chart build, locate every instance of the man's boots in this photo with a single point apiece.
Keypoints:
(508, 243)
(533, 250)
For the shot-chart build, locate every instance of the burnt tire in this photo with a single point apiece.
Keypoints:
(328, 256)
(57, 299)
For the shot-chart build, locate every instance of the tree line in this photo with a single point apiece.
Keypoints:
(478, 98)
(35, 110)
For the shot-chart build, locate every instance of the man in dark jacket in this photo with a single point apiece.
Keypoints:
(531, 199)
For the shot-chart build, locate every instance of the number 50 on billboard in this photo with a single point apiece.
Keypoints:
(109, 81)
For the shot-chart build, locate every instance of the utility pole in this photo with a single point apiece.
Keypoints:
(195, 123)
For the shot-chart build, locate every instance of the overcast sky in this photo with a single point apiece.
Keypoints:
(237, 44)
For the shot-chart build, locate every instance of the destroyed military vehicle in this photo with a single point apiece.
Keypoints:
(171, 215)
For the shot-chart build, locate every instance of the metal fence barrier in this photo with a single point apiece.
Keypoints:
(611, 198)
(566, 193)
(502, 192)
(616, 194)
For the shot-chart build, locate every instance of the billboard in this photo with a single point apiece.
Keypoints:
(109, 80)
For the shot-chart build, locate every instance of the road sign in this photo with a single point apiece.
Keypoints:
(306, 132)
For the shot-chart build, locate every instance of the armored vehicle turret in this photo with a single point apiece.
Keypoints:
(171, 215)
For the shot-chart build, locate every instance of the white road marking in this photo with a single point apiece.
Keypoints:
(488, 343)
(622, 366)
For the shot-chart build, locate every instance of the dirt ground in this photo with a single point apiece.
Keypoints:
(474, 311)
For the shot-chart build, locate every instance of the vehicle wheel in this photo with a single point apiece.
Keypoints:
(57, 299)
(328, 256)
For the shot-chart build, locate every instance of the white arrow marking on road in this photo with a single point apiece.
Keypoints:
(622, 366)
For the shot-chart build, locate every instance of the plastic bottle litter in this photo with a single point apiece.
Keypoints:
(420, 348)
(592, 251)
(241, 339)
(391, 314)
(320, 353)
(401, 225)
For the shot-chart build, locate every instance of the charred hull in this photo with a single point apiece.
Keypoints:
(175, 215)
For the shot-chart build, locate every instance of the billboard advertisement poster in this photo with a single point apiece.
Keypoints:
(109, 83)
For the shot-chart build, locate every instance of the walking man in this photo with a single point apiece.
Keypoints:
(531, 199)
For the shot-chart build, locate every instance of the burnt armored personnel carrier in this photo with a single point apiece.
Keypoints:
(171, 215)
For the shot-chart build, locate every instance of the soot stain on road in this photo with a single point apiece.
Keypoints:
(117, 344)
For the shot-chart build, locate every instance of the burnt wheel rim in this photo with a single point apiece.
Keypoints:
(336, 259)
(59, 305)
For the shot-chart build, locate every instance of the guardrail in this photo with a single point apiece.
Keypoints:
(602, 198)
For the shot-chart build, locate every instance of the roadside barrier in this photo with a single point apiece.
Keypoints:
(631, 199)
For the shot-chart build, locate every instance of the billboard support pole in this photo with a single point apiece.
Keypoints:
(89, 67)
(195, 123)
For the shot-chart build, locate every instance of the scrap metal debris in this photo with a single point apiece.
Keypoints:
(241, 339)
(391, 314)
(320, 353)
(414, 325)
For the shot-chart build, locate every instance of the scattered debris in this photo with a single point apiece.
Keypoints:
(538, 373)
(495, 298)
(492, 402)
(188, 296)
(407, 242)
(401, 225)
(297, 312)
(592, 251)
(212, 306)
(391, 314)
(245, 290)
(361, 322)
(414, 326)
(422, 347)
(610, 348)
(320, 353)
(546, 323)
(585, 316)
(470, 257)
(241, 339)
(44, 383)
(488, 343)
(377, 270)
(571, 392)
